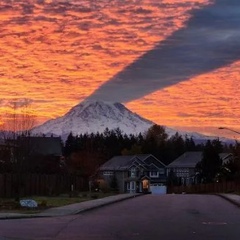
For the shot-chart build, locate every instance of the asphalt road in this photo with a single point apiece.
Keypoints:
(168, 217)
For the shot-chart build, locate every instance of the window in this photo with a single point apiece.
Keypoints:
(131, 186)
(154, 174)
(133, 172)
(108, 173)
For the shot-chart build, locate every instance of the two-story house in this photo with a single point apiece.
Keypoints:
(184, 167)
(135, 173)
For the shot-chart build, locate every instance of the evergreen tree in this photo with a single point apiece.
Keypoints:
(155, 141)
(172, 180)
(189, 144)
(69, 145)
(211, 162)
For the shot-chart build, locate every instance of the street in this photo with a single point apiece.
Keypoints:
(167, 217)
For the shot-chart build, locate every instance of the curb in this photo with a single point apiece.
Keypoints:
(21, 217)
(229, 200)
(68, 214)
(105, 204)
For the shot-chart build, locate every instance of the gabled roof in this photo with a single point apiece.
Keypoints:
(137, 162)
(152, 160)
(188, 159)
(145, 177)
(120, 163)
(224, 156)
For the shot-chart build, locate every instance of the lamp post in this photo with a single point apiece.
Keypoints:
(229, 129)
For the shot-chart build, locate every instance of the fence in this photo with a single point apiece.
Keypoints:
(221, 187)
(40, 184)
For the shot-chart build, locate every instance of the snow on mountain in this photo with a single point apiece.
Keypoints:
(95, 116)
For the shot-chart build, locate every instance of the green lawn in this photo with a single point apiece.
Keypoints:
(59, 201)
(48, 202)
(64, 199)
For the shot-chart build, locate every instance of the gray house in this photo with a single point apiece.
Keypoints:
(136, 173)
(226, 157)
(184, 166)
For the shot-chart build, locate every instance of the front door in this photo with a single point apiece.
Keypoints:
(140, 187)
(145, 185)
(132, 187)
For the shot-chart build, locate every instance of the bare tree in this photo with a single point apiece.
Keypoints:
(19, 118)
(16, 127)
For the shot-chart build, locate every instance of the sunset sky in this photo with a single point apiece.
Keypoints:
(175, 62)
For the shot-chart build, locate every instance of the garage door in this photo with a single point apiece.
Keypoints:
(155, 189)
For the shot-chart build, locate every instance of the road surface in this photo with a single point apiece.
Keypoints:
(168, 217)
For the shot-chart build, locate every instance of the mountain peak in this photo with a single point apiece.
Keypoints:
(97, 108)
(92, 116)
(97, 103)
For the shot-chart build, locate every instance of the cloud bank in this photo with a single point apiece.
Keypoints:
(210, 40)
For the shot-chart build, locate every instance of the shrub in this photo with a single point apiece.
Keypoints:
(43, 203)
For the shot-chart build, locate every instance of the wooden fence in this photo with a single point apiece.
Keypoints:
(221, 187)
(40, 184)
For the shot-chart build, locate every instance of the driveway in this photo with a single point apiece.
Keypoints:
(167, 217)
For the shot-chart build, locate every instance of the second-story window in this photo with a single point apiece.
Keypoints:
(154, 174)
(133, 172)
(108, 173)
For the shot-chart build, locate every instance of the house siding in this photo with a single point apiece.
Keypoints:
(143, 165)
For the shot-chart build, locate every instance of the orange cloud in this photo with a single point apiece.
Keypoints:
(202, 104)
(56, 53)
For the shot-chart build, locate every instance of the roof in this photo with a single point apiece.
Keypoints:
(225, 155)
(188, 159)
(143, 156)
(120, 163)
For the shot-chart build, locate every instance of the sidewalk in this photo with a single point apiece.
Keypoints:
(233, 198)
(73, 208)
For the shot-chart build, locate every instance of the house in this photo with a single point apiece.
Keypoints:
(184, 166)
(226, 157)
(134, 173)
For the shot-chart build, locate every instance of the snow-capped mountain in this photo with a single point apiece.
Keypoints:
(95, 116)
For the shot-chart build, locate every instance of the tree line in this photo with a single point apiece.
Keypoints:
(84, 153)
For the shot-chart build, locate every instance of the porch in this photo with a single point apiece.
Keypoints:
(137, 185)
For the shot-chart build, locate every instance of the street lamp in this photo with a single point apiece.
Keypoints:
(222, 128)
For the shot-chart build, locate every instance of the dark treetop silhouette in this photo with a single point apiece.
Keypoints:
(210, 40)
